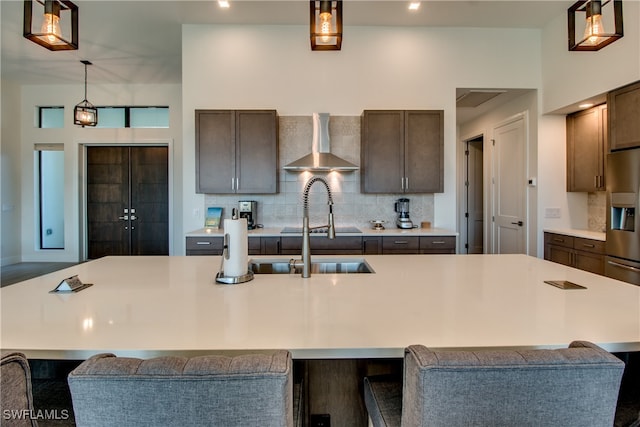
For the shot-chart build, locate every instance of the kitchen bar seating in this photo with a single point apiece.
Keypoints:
(244, 390)
(17, 396)
(577, 386)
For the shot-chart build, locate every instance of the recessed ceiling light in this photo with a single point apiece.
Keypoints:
(586, 105)
(224, 4)
(414, 5)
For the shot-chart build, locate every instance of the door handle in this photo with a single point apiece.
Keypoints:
(125, 218)
(626, 267)
(519, 223)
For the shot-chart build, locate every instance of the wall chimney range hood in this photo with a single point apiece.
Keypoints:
(320, 159)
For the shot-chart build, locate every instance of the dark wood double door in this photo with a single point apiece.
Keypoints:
(127, 201)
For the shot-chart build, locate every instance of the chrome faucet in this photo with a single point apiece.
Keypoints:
(305, 262)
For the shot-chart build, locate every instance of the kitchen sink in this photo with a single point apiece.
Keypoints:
(323, 266)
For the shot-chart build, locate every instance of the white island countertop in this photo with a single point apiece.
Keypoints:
(147, 306)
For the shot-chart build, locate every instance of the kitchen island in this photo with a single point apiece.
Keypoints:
(149, 306)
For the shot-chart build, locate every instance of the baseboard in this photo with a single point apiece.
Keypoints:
(9, 260)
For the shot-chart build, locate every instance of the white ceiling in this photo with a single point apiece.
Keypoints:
(140, 41)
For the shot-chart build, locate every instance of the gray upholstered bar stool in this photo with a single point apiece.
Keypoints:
(577, 386)
(16, 394)
(245, 390)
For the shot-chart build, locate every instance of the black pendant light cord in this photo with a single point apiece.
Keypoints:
(85, 62)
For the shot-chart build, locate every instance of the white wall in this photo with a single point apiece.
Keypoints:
(377, 68)
(570, 77)
(73, 137)
(10, 174)
(485, 124)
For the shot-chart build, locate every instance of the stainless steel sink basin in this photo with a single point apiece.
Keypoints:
(322, 266)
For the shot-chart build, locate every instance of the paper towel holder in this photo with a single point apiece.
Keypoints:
(230, 280)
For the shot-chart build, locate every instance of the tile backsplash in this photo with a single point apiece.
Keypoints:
(597, 211)
(351, 207)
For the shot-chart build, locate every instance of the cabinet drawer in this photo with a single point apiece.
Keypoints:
(371, 245)
(400, 245)
(589, 245)
(205, 243)
(559, 239)
(270, 245)
(321, 245)
(438, 245)
(253, 245)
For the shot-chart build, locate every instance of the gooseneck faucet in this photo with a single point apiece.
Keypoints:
(331, 231)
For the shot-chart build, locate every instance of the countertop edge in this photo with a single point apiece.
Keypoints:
(277, 232)
(574, 232)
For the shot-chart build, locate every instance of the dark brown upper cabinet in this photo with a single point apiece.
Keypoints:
(236, 151)
(624, 117)
(586, 149)
(402, 151)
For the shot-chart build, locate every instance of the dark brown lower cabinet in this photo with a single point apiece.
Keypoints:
(578, 252)
(320, 245)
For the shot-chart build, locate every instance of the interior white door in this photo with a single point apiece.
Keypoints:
(509, 180)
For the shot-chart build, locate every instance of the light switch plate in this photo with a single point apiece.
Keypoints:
(552, 212)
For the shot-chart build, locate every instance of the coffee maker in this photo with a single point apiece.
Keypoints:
(249, 209)
(402, 208)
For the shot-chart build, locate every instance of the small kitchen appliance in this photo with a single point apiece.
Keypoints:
(402, 208)
(249, 209)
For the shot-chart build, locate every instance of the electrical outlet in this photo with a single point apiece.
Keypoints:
(320, 420)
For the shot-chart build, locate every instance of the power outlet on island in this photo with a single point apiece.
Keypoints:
(320, 420)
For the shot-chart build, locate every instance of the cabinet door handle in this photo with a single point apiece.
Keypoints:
(203, 243)
(400, 242)
(587, 245)
(237, 183)
(407, 181)
(232, 183)
(402, 183)
(557, 239)
(438, 242)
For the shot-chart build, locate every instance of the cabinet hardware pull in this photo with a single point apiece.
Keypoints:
(556, 239)
(402, 183)
(407, 180)
(438, 242)
(626, 267)
(400, 242)
(232, 187)
(203, 243)
(237, 183)
(586, 245)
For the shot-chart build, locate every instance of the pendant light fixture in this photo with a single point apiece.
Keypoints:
(326, 25)
(594, 36)
(85, 114)
(49, 33)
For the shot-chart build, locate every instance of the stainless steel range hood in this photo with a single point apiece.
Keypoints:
(320, 159)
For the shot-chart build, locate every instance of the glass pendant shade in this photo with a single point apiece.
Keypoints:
(60, 17)
(594, 36)
(326, 25)
(85, 114)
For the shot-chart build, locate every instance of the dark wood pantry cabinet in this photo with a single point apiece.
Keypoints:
(624, 117)
(587, 149)
(236, 151)
(402, 151)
